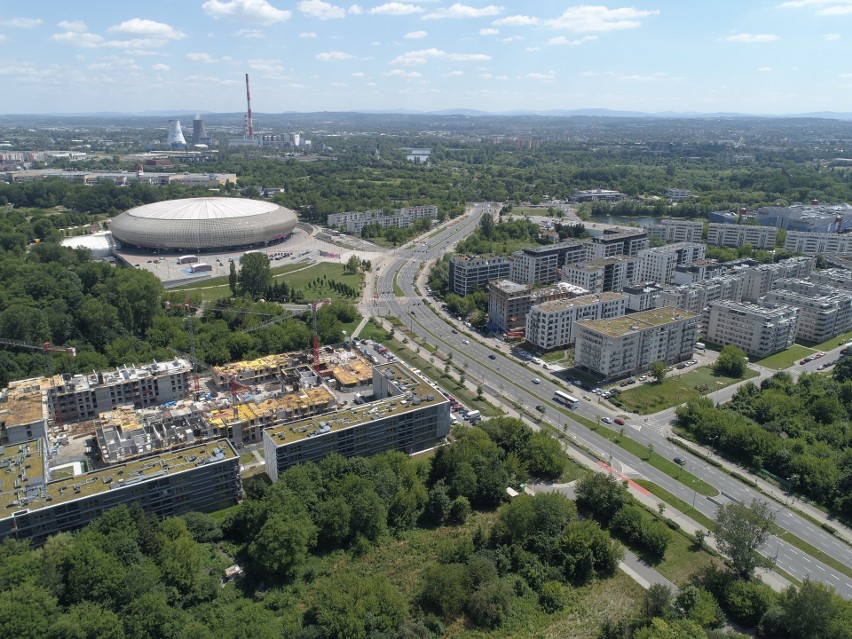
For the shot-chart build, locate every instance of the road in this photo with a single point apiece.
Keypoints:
(511, 380)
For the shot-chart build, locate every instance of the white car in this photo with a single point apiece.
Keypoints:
(606, 420)
(466, 341)
(536, 380)
(536, 360)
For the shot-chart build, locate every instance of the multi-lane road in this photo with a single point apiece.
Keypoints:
(513, 381)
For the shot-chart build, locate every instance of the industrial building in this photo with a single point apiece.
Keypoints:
(199, 478)
(817, 243)
(355, 221)
(203, 224)
(756, 329)
(671, 230)
(658, 264)
(509, 302)
(735, 235)
(599, 276)
(469, 273)
(627, 345)
(824, 312)
(552, 324)
(407, 415)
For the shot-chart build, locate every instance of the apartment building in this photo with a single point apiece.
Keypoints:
(817, 243)
(599, 276)
(824, 311)
(641, 297)
(620, 242)
(758, 330)
(839, 278)
(199, 478)
(470, 273)
(509, 302)
(541, 264)
(658, 264)
(355, 221)
(734, 235)
(78, 397)
(408, 415)
(670, 230)
(24, 413)
(551, 324)
(623, 346)
(699, 270)
(696, 297)
(758, 280)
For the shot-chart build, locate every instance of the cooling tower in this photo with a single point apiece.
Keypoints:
(176, 139)
(199, 134)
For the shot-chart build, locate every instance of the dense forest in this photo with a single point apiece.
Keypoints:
(798, 431)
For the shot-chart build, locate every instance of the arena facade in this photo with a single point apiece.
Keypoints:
(204, 224)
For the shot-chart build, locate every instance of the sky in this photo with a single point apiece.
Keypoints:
(745, 56)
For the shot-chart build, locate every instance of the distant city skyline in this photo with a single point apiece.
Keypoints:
(760, 57)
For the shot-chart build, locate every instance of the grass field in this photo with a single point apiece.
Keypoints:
(786, 358)
(834, 342)
(677, 503)
(296, 276)
(652, 397)
(683, 559)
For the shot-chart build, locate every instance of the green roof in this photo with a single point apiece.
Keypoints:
(618, 326)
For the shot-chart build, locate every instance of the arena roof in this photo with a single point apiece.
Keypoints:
(202, 208)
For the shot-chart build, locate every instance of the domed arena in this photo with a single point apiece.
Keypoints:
(203, 224)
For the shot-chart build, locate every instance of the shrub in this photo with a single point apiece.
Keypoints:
(552, 597)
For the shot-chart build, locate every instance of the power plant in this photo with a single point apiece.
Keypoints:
(176, 139)
(199, 133)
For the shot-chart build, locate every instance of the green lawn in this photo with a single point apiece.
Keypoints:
(786, 358)
(397, 290)
(834, 342)
(677, 503)
(648, 398)
(683, 559)
(556, 356)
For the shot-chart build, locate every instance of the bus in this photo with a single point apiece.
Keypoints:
(564, 398)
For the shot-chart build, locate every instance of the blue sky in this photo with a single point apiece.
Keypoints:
(748, 56)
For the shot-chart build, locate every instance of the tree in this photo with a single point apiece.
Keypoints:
(232, 278)
(543, 456)
(255, 275)
(657, 370)
(732, 362)
(281, 546)
(741, 531)
(843, 370)
(353, 264)
(813, 611)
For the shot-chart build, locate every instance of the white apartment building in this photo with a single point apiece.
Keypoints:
(551, 324)
(470, 273)
(758, 330)
(670, 230)
(839, 278)
(541, 264)
(698, 270)
(598, 276)
(509, 302)
(824, 312)
(623, 346)
(696, 297)
(816, 243)
(641, 297)
(355, 221)
(658, 264)
(622, 242)
(758, 280)
(734, 235)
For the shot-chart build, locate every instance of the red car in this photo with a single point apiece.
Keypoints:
(619, 421)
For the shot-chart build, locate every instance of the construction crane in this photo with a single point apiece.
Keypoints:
(314, 307)
(46, 347)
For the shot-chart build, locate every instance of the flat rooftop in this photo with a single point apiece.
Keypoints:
(508, 286)
(127, 373)
(416, 393)
(21, 470)
(618, 326)
(584, 300)
(22, 407)
(116, 476)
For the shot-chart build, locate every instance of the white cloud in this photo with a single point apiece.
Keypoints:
(764, 69)
(77, 39)
(2, 38)
(751, 37)
(489, 32)
(513, 38)
(824, 7)
(411, 58)
(22, 23)
(585, 18)
(355, 10)
(464, 11)
(399, 73)
(550, 76)
(415, 35)
(559, 40)
(148, 28)
(321, 10)
(333, 56)
(453, 74)
(830, 37)
(359, 74)
(517, 21)
(72, 25)
(160, 67)
(845, 75)
(259, 11)
(395, 9)
(307, 35)
(250, 34)
(206, 58)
